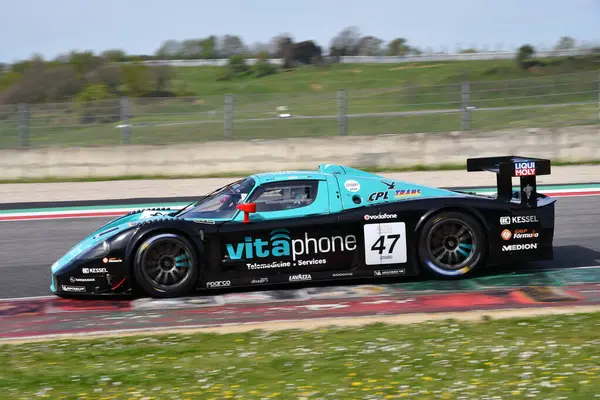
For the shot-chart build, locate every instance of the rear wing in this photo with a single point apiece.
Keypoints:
(507, 167)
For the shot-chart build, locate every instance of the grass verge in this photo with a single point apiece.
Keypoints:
(431, 167)
(509, 358)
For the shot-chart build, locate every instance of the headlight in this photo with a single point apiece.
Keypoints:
(95, 252)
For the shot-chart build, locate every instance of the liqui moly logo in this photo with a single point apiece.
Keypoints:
(525, 168)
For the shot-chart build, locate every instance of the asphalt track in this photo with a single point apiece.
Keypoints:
(28, 248)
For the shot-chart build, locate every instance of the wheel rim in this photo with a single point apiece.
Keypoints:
(451, 244)
(167, 263)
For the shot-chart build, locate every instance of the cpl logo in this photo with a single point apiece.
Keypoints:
(506, 234)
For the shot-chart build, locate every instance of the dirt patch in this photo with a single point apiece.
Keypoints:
(356, 71)
(199, 102)
(316, 86)
(467, 316)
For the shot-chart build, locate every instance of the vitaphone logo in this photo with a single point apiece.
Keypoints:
(280, 244)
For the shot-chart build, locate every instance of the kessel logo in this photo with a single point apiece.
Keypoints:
(94, 270)
(519, 219)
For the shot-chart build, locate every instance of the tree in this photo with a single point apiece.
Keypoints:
(115, 55)
(280, 45)
(369, 46)
(263, 67)
(565, 43)
(191, 49)
(398, 47)
(230, 45)
(169, 50)
(209, 47)
(524, 56)
(345, 43)
(137, 78)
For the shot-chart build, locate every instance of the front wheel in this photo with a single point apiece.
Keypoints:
(165, 266)
(452, 245)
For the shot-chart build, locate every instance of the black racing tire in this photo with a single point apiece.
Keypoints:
(452, 245)
(166, 266)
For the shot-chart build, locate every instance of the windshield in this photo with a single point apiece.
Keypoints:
(221, 203)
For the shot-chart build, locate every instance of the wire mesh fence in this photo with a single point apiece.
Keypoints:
(547, 101)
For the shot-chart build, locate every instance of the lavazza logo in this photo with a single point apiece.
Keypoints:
(520, 219)
(380, 216)
(519, 247)
(300, 277)
(218, 284)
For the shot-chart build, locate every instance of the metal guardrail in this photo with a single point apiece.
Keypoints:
(504, 55)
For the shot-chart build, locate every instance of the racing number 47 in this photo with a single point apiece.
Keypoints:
(379, 244)
(385, 243)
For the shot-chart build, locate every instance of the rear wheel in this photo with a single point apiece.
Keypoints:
(452, 245)
(165, 266)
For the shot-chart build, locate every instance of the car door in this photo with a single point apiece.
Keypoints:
(292, 231)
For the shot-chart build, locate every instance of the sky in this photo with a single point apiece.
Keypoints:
(141, 26)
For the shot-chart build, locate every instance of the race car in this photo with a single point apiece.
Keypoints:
(335, 223)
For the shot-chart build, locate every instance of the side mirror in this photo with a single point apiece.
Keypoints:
(247, 208)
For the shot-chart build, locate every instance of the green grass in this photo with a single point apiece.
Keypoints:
(311, 91)
(431, 167)
(552, 356)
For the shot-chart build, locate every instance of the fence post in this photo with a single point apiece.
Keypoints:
(24, 125)
(126, 126)
(228, 116)
(465, 93)
(342, 112)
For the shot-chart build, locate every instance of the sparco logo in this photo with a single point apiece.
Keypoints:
(218, 284)
(517, 247)
(300, 277)
(380, 216)
(94, 270)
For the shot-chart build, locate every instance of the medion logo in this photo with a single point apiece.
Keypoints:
(518, 247)
(280, 244)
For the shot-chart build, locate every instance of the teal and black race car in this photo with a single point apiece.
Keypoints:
(335, 223)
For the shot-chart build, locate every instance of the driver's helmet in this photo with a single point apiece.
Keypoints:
(298, 193)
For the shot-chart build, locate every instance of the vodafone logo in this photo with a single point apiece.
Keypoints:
(380, 216)
(506, 234)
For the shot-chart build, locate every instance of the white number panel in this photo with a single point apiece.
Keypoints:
(385, 243)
